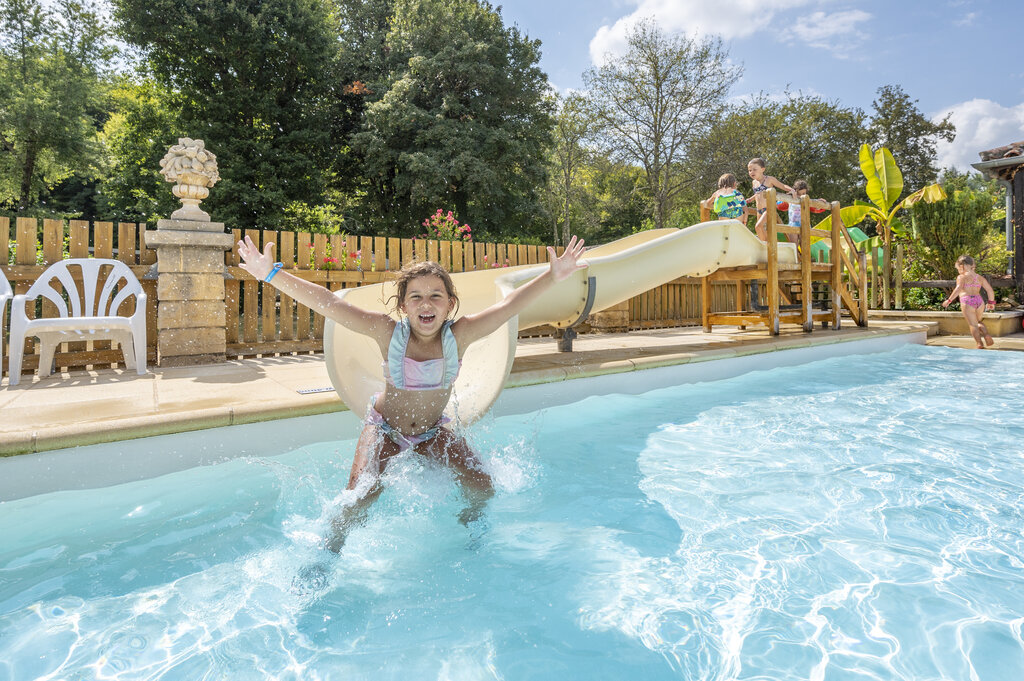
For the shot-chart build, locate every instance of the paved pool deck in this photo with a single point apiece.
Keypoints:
(88, 407)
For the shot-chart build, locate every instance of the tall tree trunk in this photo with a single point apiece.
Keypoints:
(27, 171)
(566, 229)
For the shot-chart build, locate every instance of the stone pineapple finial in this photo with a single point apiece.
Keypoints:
(193, 169)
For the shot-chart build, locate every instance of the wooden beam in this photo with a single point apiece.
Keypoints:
(805, 263)
(773, 263)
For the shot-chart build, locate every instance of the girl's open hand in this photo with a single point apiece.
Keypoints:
(255, 263)
(564, 265)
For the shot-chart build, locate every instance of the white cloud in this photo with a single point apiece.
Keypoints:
(981, 124)
(837, 32)
(733, 19)
(967, 19)
(725, 18)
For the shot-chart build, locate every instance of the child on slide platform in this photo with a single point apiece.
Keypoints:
(422, 355)
(762, 183)
(727, 201)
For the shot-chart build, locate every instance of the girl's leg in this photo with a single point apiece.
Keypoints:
(453, 450)
(972, 317)
(980, 312)
(761, 226)
(372, 454)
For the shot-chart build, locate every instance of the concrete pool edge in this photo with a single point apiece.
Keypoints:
(538, 366)
(102, 464)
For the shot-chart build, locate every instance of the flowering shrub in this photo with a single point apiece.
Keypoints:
(446, 228)
(342, 260)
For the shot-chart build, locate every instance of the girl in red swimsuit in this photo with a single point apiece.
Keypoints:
(968, 288)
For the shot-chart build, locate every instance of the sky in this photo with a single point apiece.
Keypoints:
(955, 57)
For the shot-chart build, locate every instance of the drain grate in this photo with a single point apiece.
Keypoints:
(310, 391)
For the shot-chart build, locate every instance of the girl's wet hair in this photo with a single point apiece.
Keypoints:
(800, 184)
(414, 270)
(759, 161)
(965, 260)
(727, 180)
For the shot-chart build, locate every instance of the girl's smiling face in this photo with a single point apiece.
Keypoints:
(427, 304)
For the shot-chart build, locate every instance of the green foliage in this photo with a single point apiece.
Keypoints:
(884, 185)
(52, 68)
(322, 219)
(574, 128)
(137, 136)
(256, 80)
(948, 229)
(463, 121)
(898, 125)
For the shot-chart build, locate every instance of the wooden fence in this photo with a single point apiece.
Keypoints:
(260, 321)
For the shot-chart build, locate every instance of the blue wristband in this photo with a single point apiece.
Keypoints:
(277, 268)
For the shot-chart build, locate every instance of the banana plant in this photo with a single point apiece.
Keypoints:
(884, 186)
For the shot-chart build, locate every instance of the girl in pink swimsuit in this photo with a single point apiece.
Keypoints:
(968, 287)
(422, 354)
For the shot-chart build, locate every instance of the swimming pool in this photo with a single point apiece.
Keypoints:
(851, 518)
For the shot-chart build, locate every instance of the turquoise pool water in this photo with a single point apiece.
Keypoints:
(852, 518)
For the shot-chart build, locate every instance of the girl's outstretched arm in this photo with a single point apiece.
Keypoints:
(313, 296)
(956, 291)
(474, 327)
(779, 184)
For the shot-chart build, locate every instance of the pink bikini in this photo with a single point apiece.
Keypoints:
(972, 299)
(410, 374)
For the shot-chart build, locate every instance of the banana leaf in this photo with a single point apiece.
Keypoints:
(889, 175)
(874, 188)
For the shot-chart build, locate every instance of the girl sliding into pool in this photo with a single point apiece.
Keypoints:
(968, 286)
(422, 355)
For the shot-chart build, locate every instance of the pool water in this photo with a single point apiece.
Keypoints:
(851, 518)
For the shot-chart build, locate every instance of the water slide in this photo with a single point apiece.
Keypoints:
(618, 270)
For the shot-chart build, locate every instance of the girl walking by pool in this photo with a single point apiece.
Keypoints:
(728, 202)
(422, 355)
(968, 287)
(762, 183)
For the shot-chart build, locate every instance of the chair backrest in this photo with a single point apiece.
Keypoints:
(5, 286)
(84, 301)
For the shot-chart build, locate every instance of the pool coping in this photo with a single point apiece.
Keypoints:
(88, 408)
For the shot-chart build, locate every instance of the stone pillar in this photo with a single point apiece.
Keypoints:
(614, 319)
(190, 291)
(190, 263)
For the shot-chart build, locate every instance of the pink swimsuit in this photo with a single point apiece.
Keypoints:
(410, 374)
(972, 299)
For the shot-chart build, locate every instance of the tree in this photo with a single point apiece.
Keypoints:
(52, 69)
(884, 186)
(573, 129)
(137, 136)
(463, 124)
(948, 229)
(255, 79)
(899, 125)
(654, 101)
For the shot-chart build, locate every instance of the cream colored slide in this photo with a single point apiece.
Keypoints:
(621, 270)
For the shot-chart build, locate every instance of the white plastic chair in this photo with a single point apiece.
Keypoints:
(97, 319)
(5, 295)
